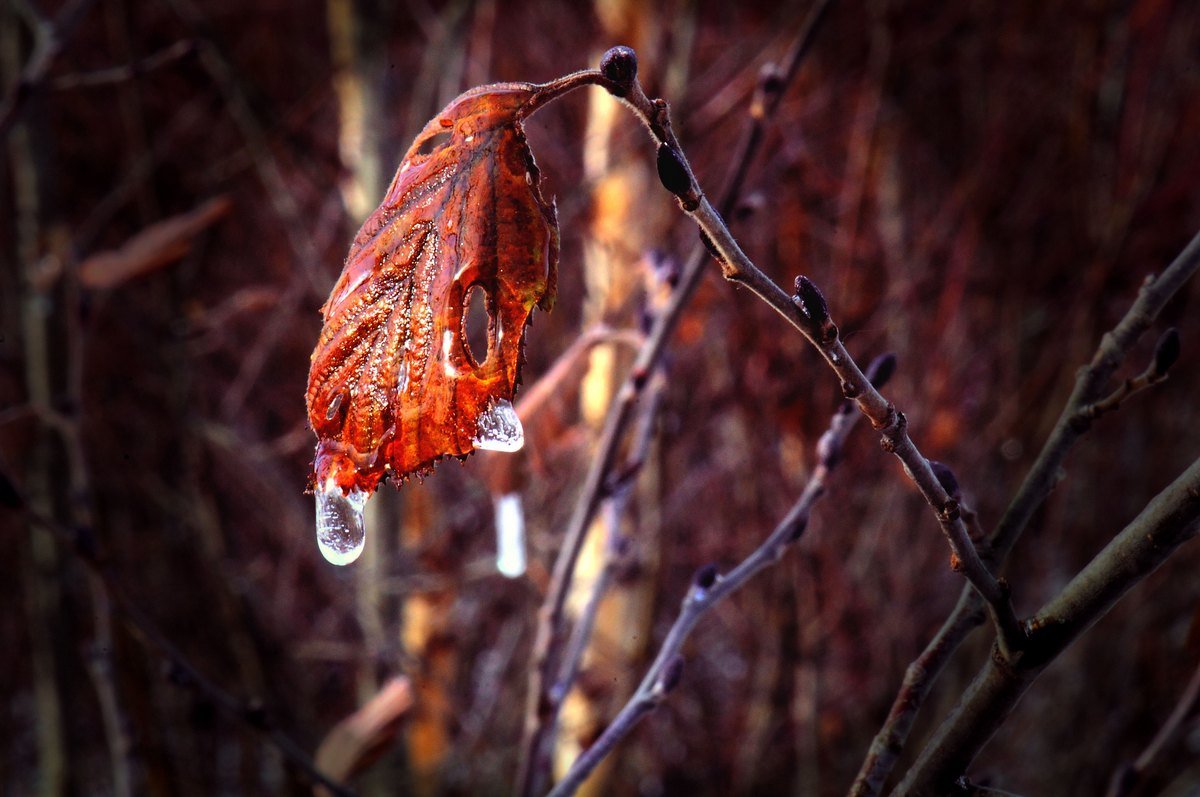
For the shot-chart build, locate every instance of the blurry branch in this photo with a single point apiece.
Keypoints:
(358, 740)
(283, 202)
(1129, 776)
(616, 547)
(158, 245)
(49, 38)
(541, 706)
(80, 541)
(709, 587)
(1168, 521)
(41, 590)
(126, 72)
(1076, 418)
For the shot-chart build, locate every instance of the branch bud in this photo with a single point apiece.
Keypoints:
(881, 369)
(671, 674)
(945, 477)
(671, 171)
(798, 528)
(1166, 352)
(809, 299)
(711, 247)
(620, 65)
(705, 577)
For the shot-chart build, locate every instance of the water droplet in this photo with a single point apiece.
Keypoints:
(499, 428)
(341, 532)
(402, 380)
(510, 535)
(334, 405)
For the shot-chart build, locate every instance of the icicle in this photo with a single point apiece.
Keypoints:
(510, 535)
(341, 532)
(499, 428)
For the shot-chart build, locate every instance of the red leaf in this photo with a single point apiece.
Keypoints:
(393, 384)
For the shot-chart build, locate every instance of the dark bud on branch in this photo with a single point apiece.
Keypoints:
(256, 715)
(620, 66)
(1166, 352)
(706, 576)
(671, 674)
(809, 299)
(828, 450)
(711, 247)
(9, 497)
(881, 369)
(671, 171)
(945, 477)
(798, 528)
(770, 79)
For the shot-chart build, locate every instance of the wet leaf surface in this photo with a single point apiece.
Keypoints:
(394, 385)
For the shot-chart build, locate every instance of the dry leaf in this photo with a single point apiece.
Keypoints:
(394, 385)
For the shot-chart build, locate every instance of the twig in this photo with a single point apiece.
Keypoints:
(541, 709)
(1074, 420)
(126, 72)
(1169, 520)
(1130, 775)
(708, 588)
(919, 678)
(616, 547)
(180, 670)
(49, 40)
(809, 313)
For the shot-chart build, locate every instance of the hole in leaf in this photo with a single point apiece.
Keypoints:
(433, 143)
(475, 324)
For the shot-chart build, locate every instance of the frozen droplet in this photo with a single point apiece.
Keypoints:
(341, 532)
(334, 405)
(402, 380)
(499, 428)
(510, 535)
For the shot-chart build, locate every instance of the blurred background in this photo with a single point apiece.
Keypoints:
(979, 187)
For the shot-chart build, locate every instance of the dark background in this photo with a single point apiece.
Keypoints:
(979, 187)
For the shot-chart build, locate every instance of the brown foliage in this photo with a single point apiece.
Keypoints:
(394, 385)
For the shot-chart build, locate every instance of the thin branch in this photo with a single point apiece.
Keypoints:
(1072, 423)
(180, 670)
(809, 314)
(1168, 521)
(708, 588)
(919, 679)
(126, 72)
(616, 547)
(541, 706)
(1129, 776)
(49, 40)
